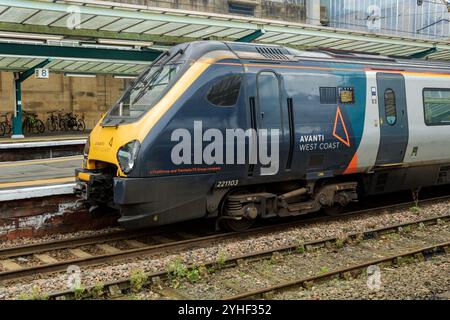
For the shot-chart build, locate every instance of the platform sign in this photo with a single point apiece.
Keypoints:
(41, 73)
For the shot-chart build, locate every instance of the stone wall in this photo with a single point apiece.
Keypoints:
(47, 216)
(88, 97)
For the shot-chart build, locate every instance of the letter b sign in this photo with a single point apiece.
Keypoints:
(41, 73)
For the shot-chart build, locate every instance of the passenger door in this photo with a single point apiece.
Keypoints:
(270, 118)
(393, 118)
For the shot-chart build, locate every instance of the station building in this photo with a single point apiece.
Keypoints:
(411, 18)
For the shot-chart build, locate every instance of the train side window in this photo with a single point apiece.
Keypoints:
(436, 103)
(225, 92)
(328, 95)
(390, 107)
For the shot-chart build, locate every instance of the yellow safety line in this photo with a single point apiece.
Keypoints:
(39, 161)
(36, 182)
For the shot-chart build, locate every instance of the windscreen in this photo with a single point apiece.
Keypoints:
(146, 92)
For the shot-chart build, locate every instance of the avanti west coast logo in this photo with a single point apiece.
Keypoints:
(235, 146)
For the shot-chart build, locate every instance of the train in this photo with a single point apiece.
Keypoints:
(245, 131)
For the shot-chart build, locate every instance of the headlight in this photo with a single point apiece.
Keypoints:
(87, 146)
(127, 156)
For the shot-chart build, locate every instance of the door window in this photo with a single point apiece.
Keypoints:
(390, 107)
(269, 100)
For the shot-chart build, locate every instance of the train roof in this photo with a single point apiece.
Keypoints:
(280, 53)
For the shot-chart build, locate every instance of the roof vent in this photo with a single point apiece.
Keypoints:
(272, 53)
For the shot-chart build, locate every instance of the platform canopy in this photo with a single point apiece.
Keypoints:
(137, 22)
(81, 60)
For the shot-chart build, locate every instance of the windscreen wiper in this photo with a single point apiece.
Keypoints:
(155, 74)
(143, 75)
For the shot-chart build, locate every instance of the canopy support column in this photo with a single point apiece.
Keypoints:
(20, 77)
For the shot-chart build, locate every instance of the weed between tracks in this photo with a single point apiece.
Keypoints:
(138, 278)
(36, 294)
(303, 263)
(220, 280)
(188, 277)
(177, 271)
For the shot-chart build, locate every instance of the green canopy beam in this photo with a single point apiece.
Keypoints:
(423, 54)
(252, 36)
(48, 51)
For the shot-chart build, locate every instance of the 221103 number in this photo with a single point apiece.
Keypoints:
(227, 183)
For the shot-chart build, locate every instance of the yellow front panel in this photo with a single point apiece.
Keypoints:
(84, 176)
(105, 142)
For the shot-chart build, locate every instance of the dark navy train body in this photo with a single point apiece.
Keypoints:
(244, 131)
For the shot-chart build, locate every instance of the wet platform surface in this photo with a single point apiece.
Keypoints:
(45, 138)
(50, 141)
(39, 165)
(43, 172)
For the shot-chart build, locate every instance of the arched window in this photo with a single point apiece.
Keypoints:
(225, 92)
(390, 107)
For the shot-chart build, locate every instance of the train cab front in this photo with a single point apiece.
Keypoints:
(95, 179)
(127, 161)
(117, 151)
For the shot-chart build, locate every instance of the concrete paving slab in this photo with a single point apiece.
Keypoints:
(20, 174)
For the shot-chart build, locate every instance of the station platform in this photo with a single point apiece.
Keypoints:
(42, 147)
(43, 141)
(37, 178)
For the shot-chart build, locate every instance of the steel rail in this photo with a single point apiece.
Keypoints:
(12, 252)
(428, 250)
(29, 249)
(125, 284)
(152, 249)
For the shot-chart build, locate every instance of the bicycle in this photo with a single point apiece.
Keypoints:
(62, 122)
(6, 124)
(81, 124)
(52, 121)
(72, 122)
(32, 124)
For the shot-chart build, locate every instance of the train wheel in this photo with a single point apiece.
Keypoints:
(234, 225)
(335, 210)
(237, 225)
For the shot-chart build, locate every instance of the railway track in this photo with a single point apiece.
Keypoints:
(115, 289)
(352, 271)
(58, 255)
